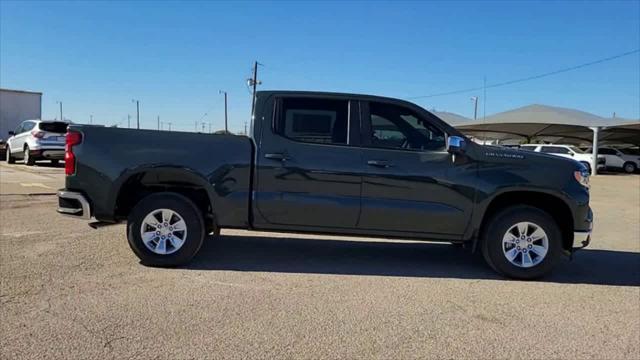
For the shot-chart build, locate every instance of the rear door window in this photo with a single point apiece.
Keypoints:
(27, 126)
(54, 127)
(321, 121)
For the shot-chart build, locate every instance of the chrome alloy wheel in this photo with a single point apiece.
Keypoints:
(163, 231)
(525, 244)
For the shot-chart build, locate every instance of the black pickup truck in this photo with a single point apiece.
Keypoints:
(328, 163)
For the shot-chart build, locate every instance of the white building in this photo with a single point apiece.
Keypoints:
(17, 106)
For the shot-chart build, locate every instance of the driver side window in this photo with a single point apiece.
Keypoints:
(396, 127)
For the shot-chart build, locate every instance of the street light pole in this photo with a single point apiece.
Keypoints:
(60, 102)
(137, 112)
(475, 107)
(226, 127)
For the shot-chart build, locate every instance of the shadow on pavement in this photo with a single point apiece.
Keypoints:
(318, 256)
(48, 164)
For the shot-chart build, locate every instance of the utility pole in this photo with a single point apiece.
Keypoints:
(196, 126)
(169, 123)
(226, 128)
(254, 82)
(128, 121)
(137, 112)
(245, 127)
(484, 98)
(90, 119)
(158, 122)
(475, 107)
(209, 127)
(60, 102)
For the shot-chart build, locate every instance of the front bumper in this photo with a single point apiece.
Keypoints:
(74, 204)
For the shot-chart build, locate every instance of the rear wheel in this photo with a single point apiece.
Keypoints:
(165, 229)
(28, 159)
(10, 159)
(522, 242)
(629, 167)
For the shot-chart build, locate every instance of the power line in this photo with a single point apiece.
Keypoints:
(528, 78)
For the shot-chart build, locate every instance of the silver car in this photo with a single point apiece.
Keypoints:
(37, 140)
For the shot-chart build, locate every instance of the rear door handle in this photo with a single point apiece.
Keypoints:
(276, 156)
(379, 163)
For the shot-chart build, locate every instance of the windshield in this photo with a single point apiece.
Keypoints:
(576, 150)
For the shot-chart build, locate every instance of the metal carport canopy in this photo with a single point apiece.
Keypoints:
(554, 124)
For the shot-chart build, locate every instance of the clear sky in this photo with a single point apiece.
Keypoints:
(175, 56)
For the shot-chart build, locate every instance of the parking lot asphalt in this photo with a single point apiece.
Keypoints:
(43, 178)
(68, 291)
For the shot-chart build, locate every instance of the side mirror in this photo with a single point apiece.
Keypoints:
(11, 133)
(456, 145)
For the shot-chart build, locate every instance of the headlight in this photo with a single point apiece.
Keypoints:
(582, 177)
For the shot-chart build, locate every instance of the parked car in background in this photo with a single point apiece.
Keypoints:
(616, 159)
(37, 140)
(567, 151)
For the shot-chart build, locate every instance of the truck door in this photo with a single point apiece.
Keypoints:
(410, 183)
(308, 165)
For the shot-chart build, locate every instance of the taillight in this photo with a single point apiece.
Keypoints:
(73, 138)
(37, 134)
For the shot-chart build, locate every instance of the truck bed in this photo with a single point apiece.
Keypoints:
(109, 157)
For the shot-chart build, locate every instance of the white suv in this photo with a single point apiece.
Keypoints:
(618, 160)
(35, 140)
(568, 151)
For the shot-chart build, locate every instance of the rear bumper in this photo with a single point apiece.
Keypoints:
(55, 153)
(73, 204)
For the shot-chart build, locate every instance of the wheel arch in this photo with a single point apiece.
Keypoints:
(550, 203)
(136, 185)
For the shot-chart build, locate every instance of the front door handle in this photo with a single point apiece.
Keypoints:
(379, 163)
(276, 156)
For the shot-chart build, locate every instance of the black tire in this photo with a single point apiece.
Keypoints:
(498, 226)
(55, 162)
(179, 204)
(629, 167)
(28, 159)
(10, 159)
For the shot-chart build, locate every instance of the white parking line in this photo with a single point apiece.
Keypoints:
(36, 185)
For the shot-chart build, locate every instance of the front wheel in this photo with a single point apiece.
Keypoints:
(522, 242)
(165, 229)
(10, 159)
